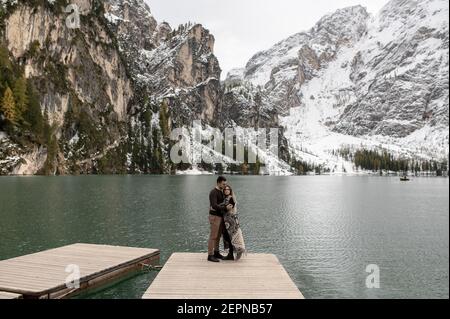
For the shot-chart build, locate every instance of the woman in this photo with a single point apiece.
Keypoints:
(232, 224)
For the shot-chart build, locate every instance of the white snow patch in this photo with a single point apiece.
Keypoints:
(193, 171)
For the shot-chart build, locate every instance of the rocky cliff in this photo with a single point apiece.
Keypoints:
(82, 83)
(106, 86)
(103, 96)
(178, 65)
(360, 81)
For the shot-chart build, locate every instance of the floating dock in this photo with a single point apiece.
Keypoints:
(191, 276)
(9, 295)
(44, 274)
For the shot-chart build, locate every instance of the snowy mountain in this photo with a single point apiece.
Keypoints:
(175, 72)
(177, 68)
(106, 94)
(178, 65)
(102, 98)
(357, 81)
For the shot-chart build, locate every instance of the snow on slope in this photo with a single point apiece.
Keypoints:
(194, 147)
(306, 131)
(259, 69)
(377, 91)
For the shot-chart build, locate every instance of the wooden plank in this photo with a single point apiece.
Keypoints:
(44, 273)
(9, 295)
(191, 276)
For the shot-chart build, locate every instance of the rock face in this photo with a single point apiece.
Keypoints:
(290, 63)
(103, 84)
(356, 80)
(176, 80)
(177, 65)
(114, 87)
(400, 72)
(246, 105)
(79, 74)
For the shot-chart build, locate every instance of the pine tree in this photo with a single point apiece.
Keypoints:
(8, 107)
(50, 140)
(47, 130)
(135, 156)
(33, 116)
(52, 152)
(8, 69)
(257, 107)
(219, 168)
(257, 167)
(157, 162)
(20, 96)
(164, 119)
(5, 62)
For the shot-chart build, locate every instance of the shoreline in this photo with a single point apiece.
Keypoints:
(240, 175)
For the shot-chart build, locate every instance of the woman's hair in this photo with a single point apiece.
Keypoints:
(233, 195)
(228, 187)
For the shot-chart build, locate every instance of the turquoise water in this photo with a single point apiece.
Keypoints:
(324, 229)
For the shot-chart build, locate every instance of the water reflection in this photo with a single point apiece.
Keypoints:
(325, 230)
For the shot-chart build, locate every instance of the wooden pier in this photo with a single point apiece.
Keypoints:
(9, 295)
(191, 276)
(43, 274)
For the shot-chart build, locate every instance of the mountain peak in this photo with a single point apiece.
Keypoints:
(351, 77)
(342, 27)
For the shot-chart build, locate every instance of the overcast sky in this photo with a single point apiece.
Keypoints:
(243, 27)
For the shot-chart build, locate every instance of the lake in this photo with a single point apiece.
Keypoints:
(324, 229)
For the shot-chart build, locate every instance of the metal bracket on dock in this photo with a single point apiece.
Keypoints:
(148, 267)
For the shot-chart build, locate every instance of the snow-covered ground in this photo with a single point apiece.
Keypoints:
(193, 171)
(205, 150)
(309, 125)
(325, 96)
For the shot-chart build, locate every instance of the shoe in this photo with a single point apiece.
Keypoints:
(213, 259)
(230, 256)
(218, 255)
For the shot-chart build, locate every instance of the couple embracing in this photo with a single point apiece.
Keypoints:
(223, 221)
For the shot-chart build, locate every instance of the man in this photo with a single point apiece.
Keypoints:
(217, 227)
